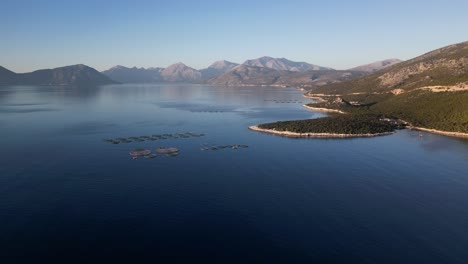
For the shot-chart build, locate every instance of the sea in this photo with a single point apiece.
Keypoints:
(69, 193)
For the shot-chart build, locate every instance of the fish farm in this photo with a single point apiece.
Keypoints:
(215, 147)
(166, 151)
(170, 152)
(139, 152)
(147, 154)
(152, 137)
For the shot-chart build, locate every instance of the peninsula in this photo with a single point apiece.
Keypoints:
(429, 92)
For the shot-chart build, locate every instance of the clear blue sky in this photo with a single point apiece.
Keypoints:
(338, 34)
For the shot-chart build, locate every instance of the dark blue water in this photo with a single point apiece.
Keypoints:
(66, 195)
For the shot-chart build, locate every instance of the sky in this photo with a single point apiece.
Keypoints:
(338, 34)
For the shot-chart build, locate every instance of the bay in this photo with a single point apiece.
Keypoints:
(66, 194)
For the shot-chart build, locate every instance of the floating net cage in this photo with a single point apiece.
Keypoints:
(166, 150)
(140, 152)
(215, 147)
(150, 156)
(152, 137)
(172, 154)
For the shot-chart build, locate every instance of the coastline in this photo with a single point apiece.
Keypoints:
(326, 110)
(429, 130)
(314, 135)
(315, 98)
(441, 132)
(319, 98)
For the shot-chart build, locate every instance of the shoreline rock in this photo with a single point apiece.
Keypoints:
(441, 132)
(314, 135)
(326, 110)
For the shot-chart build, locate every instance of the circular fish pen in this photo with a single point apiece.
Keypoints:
(140, 152)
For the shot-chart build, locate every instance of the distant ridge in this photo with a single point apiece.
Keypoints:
(69, 75)
(376, 66)
(254, 75)
(217, 68)
(7, 77)
(180, 72)
(134, 75)
(282, 64)
(445, 66)
(247, 75)
(177, 72)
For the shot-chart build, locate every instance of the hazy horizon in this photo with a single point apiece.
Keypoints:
(50, 34)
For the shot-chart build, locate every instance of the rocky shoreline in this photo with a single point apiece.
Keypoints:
(441, 132)
(314, 135)
(434, 131)
(326, 110)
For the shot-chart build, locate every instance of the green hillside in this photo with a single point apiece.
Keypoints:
(447, 111)
(403, 91)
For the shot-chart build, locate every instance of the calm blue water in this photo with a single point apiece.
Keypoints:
(65, 194)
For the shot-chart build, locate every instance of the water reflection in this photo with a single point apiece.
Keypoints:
(196, 107)
(5, 110)
(88, 127)
(432, 142)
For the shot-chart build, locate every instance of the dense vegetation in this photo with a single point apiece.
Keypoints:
(447, 111)
(337, 124)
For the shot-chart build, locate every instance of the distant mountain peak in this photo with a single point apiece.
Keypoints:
(179, 72)
(133, 75)
(217, 68)
(5, 70)
(266, 58)
(75, 66)
(283, 64)
(376, 66)
(6, 76)
(178, 64)
(78, 74)
(222, 64)
(117, 67)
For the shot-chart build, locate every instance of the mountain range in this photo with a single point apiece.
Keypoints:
(178, 72)
(282, 64)
(69, 75)
(123, 74)
(253, 75)
(261, 71)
